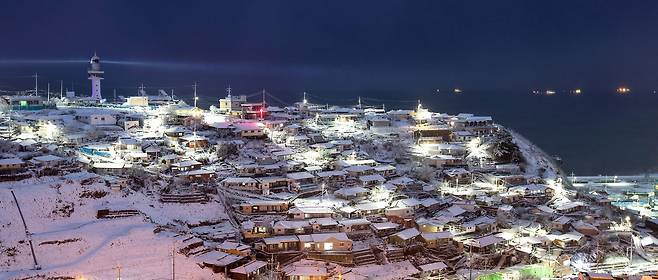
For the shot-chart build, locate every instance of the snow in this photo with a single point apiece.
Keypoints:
(91, 246)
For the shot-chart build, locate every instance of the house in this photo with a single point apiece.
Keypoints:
(263, 207)
(405, 237)
(256, 229)
(300, 213)
(372, 180)
(195, 142)
(302, 181)
(198, 175)
(585, 228)
(234, 248)
(562, 223)
(482, 224)
(185, 165)
(249, 130)
(485, 244)
(48, 161)
(273, 184)
(432, 134)
(400, 115)
(249, 271)
(369, 208)
(385, 228)
(278, 244)
(462, 136)
(568, 240)
(441, 239)
(325, 242)
(385, 170)
(359, 170)
(377, 122)
(97, 118)
(320, 225)
(307, 270)
(220, 262)
(398, 214)
(286, 227)
(111, 168)
(12, 168)
(436, 224)
(247, 184)
(331, 178)
(297, 141)
(352, 193)
(354, 225)
(533, 190)
(432, 268)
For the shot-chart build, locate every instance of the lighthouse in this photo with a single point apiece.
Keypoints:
(95, 75)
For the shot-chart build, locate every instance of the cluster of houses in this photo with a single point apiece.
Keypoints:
(347, 186)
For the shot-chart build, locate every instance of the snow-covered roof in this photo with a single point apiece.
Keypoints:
(249, 267)
(408, 233)
(239, 180)
(351, 222)
(436, 235)
(8, 161)
(48, 158)
(433, 266)
(299, 176)
(353, 191)
(371, 178)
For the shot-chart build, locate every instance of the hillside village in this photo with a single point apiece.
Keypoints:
(247, 190)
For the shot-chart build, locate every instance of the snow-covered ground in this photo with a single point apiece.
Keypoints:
(70, 241)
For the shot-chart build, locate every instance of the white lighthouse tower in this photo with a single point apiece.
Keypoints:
(95, 75)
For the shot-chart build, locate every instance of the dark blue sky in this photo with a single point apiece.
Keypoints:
(345, 45)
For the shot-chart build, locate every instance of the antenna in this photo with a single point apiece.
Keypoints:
(359, 102)
(228, 90)
(195, 97)
(36, 83)
(114, 91)
(141, 91)
(305, 101)
(61, 89)
(384, 107)
(48, 92)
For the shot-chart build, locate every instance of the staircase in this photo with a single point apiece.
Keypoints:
(394, 254)
(363, 257)
(112, 214)
(184, 198)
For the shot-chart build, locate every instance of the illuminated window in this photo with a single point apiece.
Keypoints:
(328, 246)
(307, 245)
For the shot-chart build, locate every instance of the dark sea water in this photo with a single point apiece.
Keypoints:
(594, 133)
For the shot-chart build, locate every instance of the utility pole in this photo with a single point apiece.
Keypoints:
(118, 268)
(173, 261)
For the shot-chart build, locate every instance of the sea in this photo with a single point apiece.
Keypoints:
(594, 133)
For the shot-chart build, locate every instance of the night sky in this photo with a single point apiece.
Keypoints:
(501, 45)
